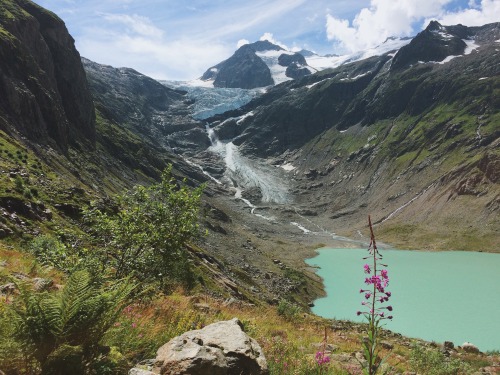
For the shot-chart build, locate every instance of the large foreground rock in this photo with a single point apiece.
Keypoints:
(221, 348)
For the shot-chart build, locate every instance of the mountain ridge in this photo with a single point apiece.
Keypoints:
(360, 123)
(249, 67)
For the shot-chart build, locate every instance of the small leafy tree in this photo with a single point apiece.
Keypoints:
(147, 233)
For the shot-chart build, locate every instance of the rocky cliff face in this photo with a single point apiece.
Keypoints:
(159, 114)
(43, 88)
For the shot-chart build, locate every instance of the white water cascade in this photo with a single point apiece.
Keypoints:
(244, 173)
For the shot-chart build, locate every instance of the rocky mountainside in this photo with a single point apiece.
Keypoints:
(53, 166)
(43, 91)
(257, 64)
(411, 138)
(160, 115)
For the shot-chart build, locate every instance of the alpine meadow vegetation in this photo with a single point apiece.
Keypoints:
(135, 244)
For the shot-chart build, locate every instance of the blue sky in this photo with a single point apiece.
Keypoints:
(180, 39)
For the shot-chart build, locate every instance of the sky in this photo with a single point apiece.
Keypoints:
(180, 39)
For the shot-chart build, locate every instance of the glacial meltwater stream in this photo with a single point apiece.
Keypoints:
(437, 296)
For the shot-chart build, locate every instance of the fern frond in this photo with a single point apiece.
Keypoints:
(74, 296)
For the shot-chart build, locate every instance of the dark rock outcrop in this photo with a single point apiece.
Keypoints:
(437, 42)
(286, 59)
(296, 65)
(244, 69)
(43, 88)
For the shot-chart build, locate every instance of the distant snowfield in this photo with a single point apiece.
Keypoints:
(199, 83)
(326, 62)
(314, 62)
(278, 72)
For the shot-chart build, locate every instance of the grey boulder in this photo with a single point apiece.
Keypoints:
(220, 348)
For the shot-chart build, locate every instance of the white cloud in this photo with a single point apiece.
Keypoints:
(144, 47)
(386, 18)
(383, 19)
(182, 59)
(138, 24)
(270, 38)
(487, 11)
(242, 42)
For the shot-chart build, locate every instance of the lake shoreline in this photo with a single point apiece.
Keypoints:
(435, 271)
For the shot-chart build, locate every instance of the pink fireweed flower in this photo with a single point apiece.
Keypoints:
(377, 279)
(321, 358)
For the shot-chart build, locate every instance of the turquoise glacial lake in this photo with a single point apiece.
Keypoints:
(436, 296)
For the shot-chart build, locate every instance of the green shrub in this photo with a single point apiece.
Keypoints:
(27, 193)
(146, 235)
(433, 362)
(49, 251)
(19, 183)
(289, 310)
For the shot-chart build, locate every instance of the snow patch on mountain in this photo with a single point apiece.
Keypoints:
(244, 117)
(326, 62)
(315, 83)
(287, 167)
(356, 77)
(471, 46)
(278, 72)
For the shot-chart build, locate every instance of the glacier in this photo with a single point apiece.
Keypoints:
(211, 101)
(245, 173)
